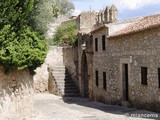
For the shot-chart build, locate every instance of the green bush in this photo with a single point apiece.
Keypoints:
(21, 50)
(65, 34)
(20, 46)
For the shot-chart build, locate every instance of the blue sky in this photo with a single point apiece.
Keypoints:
(127, 8)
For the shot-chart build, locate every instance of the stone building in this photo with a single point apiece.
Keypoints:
(135, 60)
(85, 48)
(126, 63)
(118, 61)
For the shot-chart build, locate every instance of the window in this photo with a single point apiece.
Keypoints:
(103, 42)
(96, 78)
(104, 80)
(96, 44)
(144, 75)
(159, 77)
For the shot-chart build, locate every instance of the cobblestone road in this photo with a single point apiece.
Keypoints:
(51, 107)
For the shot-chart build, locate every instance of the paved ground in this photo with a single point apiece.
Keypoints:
(51, 107)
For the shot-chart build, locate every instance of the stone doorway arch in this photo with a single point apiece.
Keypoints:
(84, 75)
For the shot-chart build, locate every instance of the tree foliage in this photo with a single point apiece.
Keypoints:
(46, 11)
(66, 34)
(20, 46)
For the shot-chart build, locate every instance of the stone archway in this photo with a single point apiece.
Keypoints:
(84, 75)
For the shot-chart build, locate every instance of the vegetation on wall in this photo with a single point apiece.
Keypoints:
(65, 34)
(20, 46)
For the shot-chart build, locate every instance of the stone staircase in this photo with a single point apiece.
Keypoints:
(63, 80)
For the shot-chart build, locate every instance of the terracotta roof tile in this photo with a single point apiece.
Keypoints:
(141, 24)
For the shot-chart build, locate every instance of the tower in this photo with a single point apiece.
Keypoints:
(113, 14)
(106, 15)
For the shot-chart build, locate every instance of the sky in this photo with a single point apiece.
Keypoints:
(126, 8)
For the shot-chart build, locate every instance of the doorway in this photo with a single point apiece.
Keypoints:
(84, 76)
(125, 82)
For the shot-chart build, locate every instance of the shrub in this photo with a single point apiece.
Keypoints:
(65, 34)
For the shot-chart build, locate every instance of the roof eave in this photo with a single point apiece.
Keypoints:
(135, 31)
(99, 28)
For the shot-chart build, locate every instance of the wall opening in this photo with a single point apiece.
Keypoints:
(84, 76)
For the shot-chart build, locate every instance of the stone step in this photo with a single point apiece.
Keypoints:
(66, 86)
(60, 66)
(59, 78)
(63, 83)
(62, 74)
(69, 90)
(71, 95)
(59, 71)
(59, 74)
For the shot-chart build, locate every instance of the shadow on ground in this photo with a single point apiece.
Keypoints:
(113, 109)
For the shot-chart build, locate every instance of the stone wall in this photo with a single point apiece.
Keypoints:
(86, 21)
(100, 63)
(144, 47)
(56, 56)
(70, 59)
(16, 95)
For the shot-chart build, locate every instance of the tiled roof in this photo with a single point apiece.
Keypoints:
(144, 23)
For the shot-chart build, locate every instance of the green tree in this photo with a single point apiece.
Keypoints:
(46, 11)
(20, 46)
(65, 34)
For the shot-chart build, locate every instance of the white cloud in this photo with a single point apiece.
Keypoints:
(75, 12)
(133, 4)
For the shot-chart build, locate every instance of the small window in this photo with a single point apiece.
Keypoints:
(103, 42)
(159, 77)
(96, 44)
(96, 78)
(104, 80)
(144, 75)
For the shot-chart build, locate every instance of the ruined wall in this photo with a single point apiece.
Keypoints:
(16, 95)
(144, 47)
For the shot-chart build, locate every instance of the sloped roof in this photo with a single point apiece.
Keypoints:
(144, 23)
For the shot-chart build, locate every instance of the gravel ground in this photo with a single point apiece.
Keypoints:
(51, 107)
